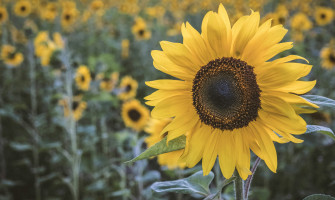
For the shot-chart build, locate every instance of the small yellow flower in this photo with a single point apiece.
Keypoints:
(83, 78)
(3, 15)
(22, 8)
(50, 12)
(327, 57)
(323, 15)
(10, 56)
(129, 87)
(108, 84)
(134, 115)
(125, 48)
(171, 159)
(77, 107)
(140, 30)
(301, 22)
(97, 6)
(68, 17)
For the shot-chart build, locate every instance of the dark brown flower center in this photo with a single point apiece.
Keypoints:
(128, 88)
(225, 94)
(141, 32)
(23, 8)
(323, 16)
(67, 17)
(82, 78)
(134, 115)
(75, 105)
(332, 57)
(281, 20)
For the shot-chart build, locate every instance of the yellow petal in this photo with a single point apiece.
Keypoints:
(193, 40)
(243, 35)
(196, 143)
(167, 84)
(227, 157)
(282, 74)
(180, 55)
(298, 87)
(268, 149)
(210, 151)
(171, 106)
(294, 126)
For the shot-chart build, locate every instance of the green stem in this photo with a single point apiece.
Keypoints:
(238, 184)
(71, 127)
(249, 179)
(35, 135)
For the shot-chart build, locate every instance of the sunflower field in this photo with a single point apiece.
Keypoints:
(170, 99)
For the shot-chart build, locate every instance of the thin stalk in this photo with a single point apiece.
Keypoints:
(249, 179)
(71, 127)
(238, 185)
(35, 135)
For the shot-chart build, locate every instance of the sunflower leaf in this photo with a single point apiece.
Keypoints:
(197, 184)
(321, 101)
(161, 147)
(319, 197)
(320, 129)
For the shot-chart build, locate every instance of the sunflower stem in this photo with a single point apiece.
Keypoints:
(249, 179)
(238, 184)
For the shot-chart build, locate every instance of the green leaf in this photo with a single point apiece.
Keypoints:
(219, 189)
(319, 197)
(320, 129)
(161, 147)
(321, 101)
(195, 184)
(20, 147)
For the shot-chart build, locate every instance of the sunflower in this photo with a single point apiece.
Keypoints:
(83, 78)
(140, 30)
(97, 6)
(230, 97)
(50, 11)
(125, 48)
(300, 22)
(10, 56)
(327, 55)
(108, 84)
(171, 159)
(22, 8)
(323, 15)
(3, 15)
(68, 17)
(134, 115)
(129, 87)
(77, 107)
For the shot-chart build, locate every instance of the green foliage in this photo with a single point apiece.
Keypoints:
(323, 102)
(162, 147)
(320, 129)
(319, 197)
(195, 184)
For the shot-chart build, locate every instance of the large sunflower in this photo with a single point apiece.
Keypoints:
(230, 97)
(171, 159)
(135, 115)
